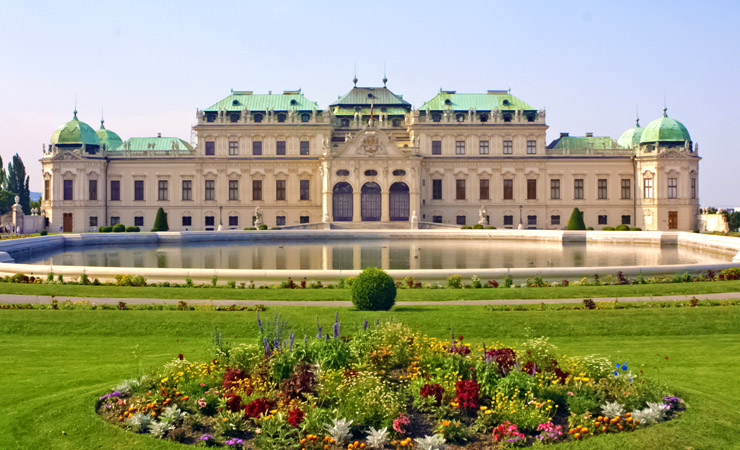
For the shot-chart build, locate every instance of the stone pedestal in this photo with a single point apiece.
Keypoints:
(17, 217)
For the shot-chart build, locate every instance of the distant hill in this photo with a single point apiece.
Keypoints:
(35, 196)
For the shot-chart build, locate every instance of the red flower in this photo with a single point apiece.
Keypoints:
(295, 417)
(232, 376)
(433, 390)
(461, 338)
(180, 356)
(258, 407)
(234, 402)
(467, 394)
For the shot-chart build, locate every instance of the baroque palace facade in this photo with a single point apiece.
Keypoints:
(371, 159)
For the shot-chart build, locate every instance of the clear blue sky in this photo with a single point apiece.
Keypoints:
(590, 64)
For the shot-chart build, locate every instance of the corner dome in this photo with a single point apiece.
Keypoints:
(665, 129)
(75, 132)
(631, 137)
(109, 140)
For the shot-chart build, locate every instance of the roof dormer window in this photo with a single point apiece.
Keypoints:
(281, 117)
(506, 102)
(293, 102)
(235, 103)
(448, 101)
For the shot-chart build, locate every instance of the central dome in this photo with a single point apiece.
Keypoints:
(665, 129)
(631, 137)
(75, 132)
(109, 140)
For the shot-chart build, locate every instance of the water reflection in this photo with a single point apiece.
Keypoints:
(406, 254)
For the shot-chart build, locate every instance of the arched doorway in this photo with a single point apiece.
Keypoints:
(371, 202)
(342, 202)
(399, 202)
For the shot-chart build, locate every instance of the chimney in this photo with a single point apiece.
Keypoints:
(159, 135)
(590, 134)
(562, 135)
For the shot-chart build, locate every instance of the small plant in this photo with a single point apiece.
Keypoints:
(43, 233)
(50, 277)
(589, 303)
(263, 227)
(84, 279)
(478, 226)
(373, 290)
(475, 282)
(576, 220)
(376, 439)
(693, 302)
(139, 422)
(121, 306)
(159, 429)
(339, 430)
(189, 282)
(231, 284)
(119, 228)
(214, 281)
(433, 442)
(454, 281)
(508, 281)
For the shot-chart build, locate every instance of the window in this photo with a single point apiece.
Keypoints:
(115, 220)
(436, 189)
(345, 122)
(256, 189)
(305, 147)
(460, 189)
(187, 221)
(210, 221)
(436, 147)
(531, 189)
(555, 189)
(139, 221)
(258, 117)
(305, 188)
(626, 220)
(693, 188)
(508, 189)
(460, 220)
(459, 147)
(187, 190)
(647, 188)
(280, 220)
(437, 219)
(256, 147)
(303, 219)
(233, 147)
(531, 221)
(673, 188)
(626, 189)
(115, 190)
(371, 173)
(578, 189)
(210, 190)
(484, 190)
(234, 117)
(233, 189)
(460, 117)
(603, 220)
(92, 189)
(436, 117)
(601, 189)
(342, 173)
(139, 190)
(531, 147)
(233, 221)
(93, 221)
(68, 188)
(162, 191)
(508, 221)
(280, 148)
(279, 189)
(555, 220)
(305, 117)
(508, 147)
(399, 173)
(281, 118)
(210, 148)
(483, 147)
(47, 189)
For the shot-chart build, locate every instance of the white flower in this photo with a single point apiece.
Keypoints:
(612, 409)
(139, 422)
(434, 442)
(339, 430)
(377, 438)
(159, 429)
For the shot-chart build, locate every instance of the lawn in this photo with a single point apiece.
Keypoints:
(501, 293)
(56, 363)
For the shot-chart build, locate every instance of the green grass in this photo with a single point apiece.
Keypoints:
(56, 363)
(223, 293)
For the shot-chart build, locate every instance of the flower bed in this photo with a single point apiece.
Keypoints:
(385, 386)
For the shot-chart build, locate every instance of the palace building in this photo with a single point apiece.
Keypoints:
(371, 159)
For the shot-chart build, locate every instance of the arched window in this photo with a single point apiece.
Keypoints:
(484, 117)
(371, 204)
(399, 172)
(281, 117)
(436, 117)
(371, 173)
(258, 117)
(342, 202)
(460, 117)
(399, 202)
(305, 117)
(396, 122)
(342, 173)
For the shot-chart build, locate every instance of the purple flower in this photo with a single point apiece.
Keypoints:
(305, 341)
(259, 322)
(205, 437)
(364, 325)
(336, 330)
(292, 338)
(234, 442)
(112, 394)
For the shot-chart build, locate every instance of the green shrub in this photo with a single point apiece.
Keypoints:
(100, 230)
(120, 228)
(106, 229)
(590, 229)
(275, 228)
(490, 228)
(373, 290)
(576, 220)
(466, 227)
(478, 226)
(635, 229)
(132, 229)
(250, 229)
(43, 233)
(160, 222)
(263, 227)
(454, 281)
(622, 227)
(608, 229)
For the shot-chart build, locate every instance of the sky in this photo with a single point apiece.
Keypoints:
(593, 65)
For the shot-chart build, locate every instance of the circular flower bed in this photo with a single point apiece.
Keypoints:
(386, 386)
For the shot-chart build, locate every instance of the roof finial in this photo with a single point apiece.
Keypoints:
(385, 78)
(102, 118)
(354, 80)
(75, 111)
(665, 111)
(637, 117)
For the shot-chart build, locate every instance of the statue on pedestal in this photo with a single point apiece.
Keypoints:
(482, 216)
(258, 217)
(414, 220)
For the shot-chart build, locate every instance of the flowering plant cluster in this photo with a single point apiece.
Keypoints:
(387, 386)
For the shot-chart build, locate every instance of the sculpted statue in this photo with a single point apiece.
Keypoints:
(482, 215)
(258, 216)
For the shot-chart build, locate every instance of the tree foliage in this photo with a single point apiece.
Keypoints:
(733, 219)
(576, 220)
(17, 182)
(160, 222)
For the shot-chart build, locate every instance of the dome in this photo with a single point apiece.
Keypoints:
(75, 132)
(109, 140)
(665, 129)
(631, 137)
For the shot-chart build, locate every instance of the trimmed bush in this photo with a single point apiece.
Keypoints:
(263, 227)
(635, 229)
(250, 229)
(576, 220)
(43, 233)
(478, 226)
(160, 222)
(373, 290)
(608, 229)
(120, 228)
(132, 229)
(466, 227)
(622, 227)
(590, 229)
(106, 229)
(490, 228)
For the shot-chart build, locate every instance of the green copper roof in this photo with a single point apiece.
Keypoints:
(239, 101)
(583, 143)
(154, 143)
(631, 137)
(481, 102)
(109, 140)
(75, 132)
(365, 111)
(377, 96)
(665, 129)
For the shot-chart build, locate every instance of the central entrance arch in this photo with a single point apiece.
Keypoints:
(342, 202)
(371, 202)
(399, 202)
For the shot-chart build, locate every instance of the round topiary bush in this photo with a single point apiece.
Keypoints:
(622, 227)
(263, 227)
(608, 229)
(477, 226)
(132, 229)
(119, 228)
(43, 233)
(373, 290)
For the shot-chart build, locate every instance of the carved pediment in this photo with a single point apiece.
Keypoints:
(371, 142)
(672, 154)
(67, 156)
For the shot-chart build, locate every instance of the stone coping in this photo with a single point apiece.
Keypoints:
(726, 245)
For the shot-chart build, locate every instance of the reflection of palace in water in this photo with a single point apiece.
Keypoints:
(371, 159)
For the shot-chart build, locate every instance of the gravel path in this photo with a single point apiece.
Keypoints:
(12, 298)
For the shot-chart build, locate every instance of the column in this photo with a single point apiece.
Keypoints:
(356, 206)
(384, 205)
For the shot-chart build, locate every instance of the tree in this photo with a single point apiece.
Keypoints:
(733, 220)
(576, 220)
(160, 222)
(3, 176)
(6, 201)
(18, 182)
